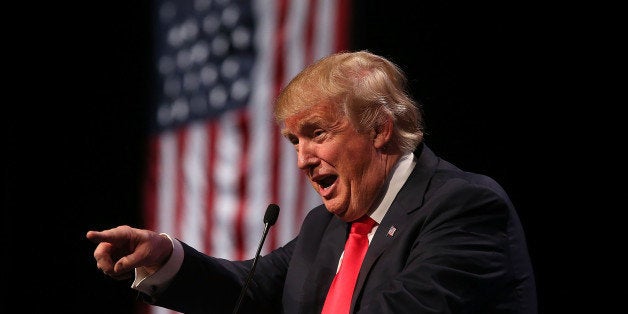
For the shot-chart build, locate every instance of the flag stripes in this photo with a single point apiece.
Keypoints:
(216, 158)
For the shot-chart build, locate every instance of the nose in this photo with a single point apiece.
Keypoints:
(306, 157)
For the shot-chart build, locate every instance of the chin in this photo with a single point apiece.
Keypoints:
(334, 209)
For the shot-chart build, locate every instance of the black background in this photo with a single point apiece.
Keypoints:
(497, 82)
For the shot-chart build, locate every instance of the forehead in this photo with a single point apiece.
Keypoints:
(320, 115)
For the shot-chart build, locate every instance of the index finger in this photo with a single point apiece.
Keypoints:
(110, 235)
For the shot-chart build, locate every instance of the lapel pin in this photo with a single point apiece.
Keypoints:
(391, 231)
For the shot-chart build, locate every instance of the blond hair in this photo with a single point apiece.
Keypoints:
(366, 88)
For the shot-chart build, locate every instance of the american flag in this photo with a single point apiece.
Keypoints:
(216, 158)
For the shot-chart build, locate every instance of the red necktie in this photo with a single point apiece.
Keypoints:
(339, 296)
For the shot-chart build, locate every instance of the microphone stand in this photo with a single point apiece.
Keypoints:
(272, 212)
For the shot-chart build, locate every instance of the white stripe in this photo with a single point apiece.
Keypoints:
(166, 188)
(195, 184)
(260, 106)
(325, 33)
(229, 147)
(325, 28)
(295, 48)
(225, 181)
(295, 52)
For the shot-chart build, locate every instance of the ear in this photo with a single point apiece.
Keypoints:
(383, 134)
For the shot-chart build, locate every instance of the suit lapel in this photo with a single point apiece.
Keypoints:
(392, 225)
(409, 198)
(326, 262)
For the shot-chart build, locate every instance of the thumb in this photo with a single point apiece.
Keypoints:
(127, 263)
(153, 253)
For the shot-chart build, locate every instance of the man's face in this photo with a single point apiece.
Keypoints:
(342, 164)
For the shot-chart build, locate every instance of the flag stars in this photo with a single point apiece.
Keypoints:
(172, 86)
(205, 57)
(209, 74)
(183, 59)
(165, 65)
(180, 109)
(240, 90)
(163, 115)
(230, 16)
(191, 81)
(167, 12)
(241, 38)
(229, 68)
(218, 96)
(189, 30)
(222, 2)
(220, 45)
(186, 32)
(211, 24)
(201, 5)
(199, 52)
(198, 105)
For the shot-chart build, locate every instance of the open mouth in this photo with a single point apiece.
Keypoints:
(326, 181)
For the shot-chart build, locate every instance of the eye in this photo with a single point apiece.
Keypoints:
(293, 140)
(318, 133)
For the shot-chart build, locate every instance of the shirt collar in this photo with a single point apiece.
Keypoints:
(401, 172)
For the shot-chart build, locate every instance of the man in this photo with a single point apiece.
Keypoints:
(444, 240)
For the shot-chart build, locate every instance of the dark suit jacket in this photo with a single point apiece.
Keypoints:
(451, 242)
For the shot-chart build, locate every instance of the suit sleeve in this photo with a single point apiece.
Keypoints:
(205, 284)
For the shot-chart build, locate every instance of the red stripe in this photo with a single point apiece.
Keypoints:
(343, 20)
(179, 207)
(210, 194)
(240, 228)
(150, 184)
(282, 10)
(280, 46)
(312, 14)
(150, 199)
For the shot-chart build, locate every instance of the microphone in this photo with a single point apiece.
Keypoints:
(270, 217)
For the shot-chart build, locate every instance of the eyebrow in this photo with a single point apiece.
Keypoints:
(313, 120)
(285, 132)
